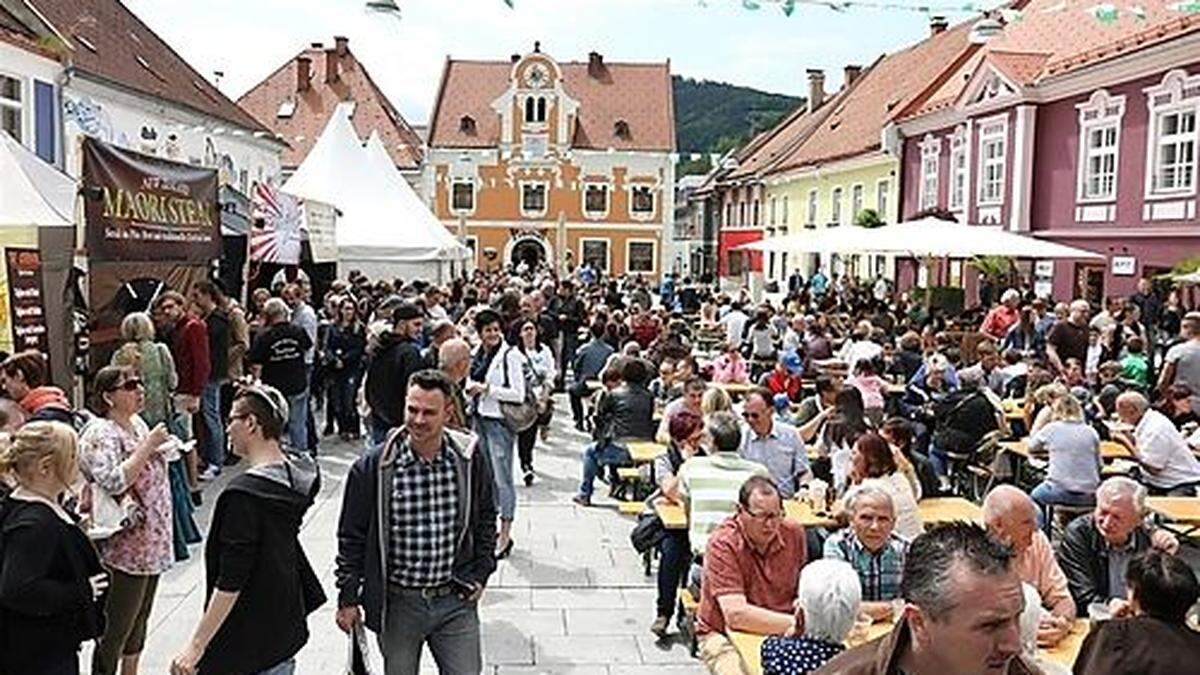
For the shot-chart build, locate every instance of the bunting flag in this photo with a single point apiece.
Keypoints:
(278, 238)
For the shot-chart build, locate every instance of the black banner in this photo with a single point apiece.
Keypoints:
(27, 312)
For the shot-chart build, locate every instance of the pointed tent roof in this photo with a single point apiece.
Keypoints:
(377, 222)
(33, 192)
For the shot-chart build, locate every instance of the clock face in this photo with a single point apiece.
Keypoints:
(536, 76)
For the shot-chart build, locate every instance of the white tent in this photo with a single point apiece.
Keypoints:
(930, 237)
(33, 193)
(380, 232)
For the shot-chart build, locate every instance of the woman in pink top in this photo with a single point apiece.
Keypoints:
(730, 367)
(872, 387)
(121, 456)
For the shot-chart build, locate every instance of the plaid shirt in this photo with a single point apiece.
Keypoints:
(879, 573)
(424, 511)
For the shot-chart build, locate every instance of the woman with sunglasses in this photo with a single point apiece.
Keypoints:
(122, 456)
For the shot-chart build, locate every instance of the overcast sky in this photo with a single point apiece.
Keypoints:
(249, 39)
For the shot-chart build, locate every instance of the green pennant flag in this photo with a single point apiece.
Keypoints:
(509, 3)
(750, 4)
(789, 6)
(1105, 13)
(1189, 7)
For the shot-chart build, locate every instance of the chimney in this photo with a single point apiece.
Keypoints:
(816, 88)
(515, 57)
(595, 64)
(849, 74)
(938, 24)
(341, 45)
(331, 66)
(303, 73)
(316, 45)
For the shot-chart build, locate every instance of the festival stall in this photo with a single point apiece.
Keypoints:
(291, 238)
(37, 235)
(384, 230)
(150, 224)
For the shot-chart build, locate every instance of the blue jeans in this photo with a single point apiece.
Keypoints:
(597, 456)
(676, 556)
(1046, 493)
(213, 450)
(497, 442)
(297, 425)
(449, 624)
(282, 668)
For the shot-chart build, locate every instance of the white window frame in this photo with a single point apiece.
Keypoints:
(1101, 112)
(993, 130)
(607, 251)
(653, 255)
(883, 189)
(927, 185)
(856, 201)
(642, 215)
(24, 107)
(1178, 93)
(835, 206)
(454, 182)
(959, 189)
(595, 215)
(813, 207)
(545, 201)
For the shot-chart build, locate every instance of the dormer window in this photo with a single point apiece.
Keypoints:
(535, 109)
(287, 108)
(621, 129)
(466, 124)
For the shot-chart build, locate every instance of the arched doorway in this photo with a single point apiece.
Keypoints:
(532, 251)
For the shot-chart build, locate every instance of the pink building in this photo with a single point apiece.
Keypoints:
(1070, 129)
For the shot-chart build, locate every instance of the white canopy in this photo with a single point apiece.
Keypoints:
(1189, 278)
(384, 229)
(32, 192)
(920, 238)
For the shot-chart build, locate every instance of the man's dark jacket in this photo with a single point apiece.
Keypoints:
(882, 657)
(365, 523)
(1084, 559)
(1140, 645)
(626, 413)
(394, 360)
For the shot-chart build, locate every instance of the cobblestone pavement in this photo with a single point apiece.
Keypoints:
(572, 598)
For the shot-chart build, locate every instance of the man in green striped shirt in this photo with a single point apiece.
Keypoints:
(711, 483)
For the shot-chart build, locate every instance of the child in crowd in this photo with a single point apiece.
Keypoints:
(1134, 366)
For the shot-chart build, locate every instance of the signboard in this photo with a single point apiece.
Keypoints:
(275, 233)
(320, 223)
(1124, 265)
(26, 306)
(1043, 268)
(142, 208)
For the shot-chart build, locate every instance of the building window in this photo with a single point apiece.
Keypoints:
(958, 170)
(472, 243)
(881, 198)
(533, 198)
(11, 106)
(772, 213)
(641, 199)
(728, 214)
(736, 263)
(463, 195)
(741, 214)
(594, 251)
(535, 109)
(756, 221)
(835, 206)
(639, 257)
(856, 201)
(1172, 152)
(595, 199)
(1099, 138)
(785, 210)
(771, 265)
(931, 150)
(993, 137)
(45, 123)
(812, 208)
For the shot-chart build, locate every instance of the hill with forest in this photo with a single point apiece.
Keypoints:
(712, 117)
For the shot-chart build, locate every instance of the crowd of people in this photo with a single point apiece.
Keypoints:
(850, 396)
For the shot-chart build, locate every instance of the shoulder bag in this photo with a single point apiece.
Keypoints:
(520, 416)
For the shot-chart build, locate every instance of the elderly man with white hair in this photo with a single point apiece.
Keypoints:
(872, 548)
(1168, 465)
(828, 599)
(1001, 317)
(1011, 518)
(1097, 548)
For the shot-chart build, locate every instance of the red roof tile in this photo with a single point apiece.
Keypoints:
(372, 110)
(637, 93)
(1020, 67)
(769, 146)
(128, 53)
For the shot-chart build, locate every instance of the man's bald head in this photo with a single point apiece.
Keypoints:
(1004, 499)
(1010, 516)
(454, 358)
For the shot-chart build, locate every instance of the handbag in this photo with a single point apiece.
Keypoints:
(647, 532)
(109, 513)
(520, 416)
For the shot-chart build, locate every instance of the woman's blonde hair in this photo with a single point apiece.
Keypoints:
(20, 450)
(137, 326)
(715, 400)
(1048, 394)
(1066, 409)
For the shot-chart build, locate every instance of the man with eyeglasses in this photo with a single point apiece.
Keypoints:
(751, 571)
(772, 443)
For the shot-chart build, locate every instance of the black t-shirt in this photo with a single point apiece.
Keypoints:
(1070, 340)
(280, 351)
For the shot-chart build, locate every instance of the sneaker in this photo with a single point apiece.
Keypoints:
(210, 473)
(659, 627)
(581, 500)
(528, 477)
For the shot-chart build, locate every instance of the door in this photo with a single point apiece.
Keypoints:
(1089, 283)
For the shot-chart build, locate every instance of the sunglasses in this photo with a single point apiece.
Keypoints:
(132, 384)
(751, 415)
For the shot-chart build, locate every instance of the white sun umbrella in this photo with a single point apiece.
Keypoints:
(848, 239)
(1189, 278)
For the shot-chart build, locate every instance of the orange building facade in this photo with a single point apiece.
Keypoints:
(537, 161)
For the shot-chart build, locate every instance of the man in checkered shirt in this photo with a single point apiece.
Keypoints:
(417, 536)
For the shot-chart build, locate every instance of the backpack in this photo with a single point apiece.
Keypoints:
(520, 416)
